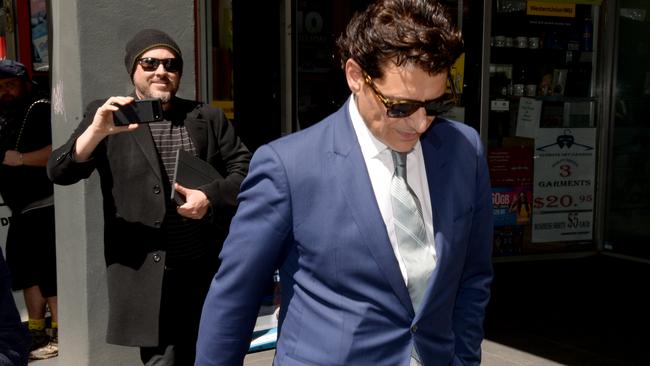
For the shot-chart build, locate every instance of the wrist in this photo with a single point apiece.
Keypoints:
(96, 133)
(21, 158)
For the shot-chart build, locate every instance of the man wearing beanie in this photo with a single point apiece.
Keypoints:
(160, 255)
(25, 145)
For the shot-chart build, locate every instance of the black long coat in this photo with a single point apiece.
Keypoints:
(134, 208)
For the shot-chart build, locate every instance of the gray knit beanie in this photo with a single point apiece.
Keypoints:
(145, 40)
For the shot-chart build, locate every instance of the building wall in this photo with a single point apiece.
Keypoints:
(104, 28)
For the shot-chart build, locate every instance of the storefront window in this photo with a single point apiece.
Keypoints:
(542, 127)
(320, 83)
(241, 65)
(38, 21)
(6, 31)
(24, 37)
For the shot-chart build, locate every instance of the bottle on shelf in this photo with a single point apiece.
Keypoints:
(530, 86)
(520, 81)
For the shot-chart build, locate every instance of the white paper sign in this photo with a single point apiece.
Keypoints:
(528, 116)
(5, 215)
(563, 192)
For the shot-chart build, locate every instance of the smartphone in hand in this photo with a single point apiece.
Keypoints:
(138, 111)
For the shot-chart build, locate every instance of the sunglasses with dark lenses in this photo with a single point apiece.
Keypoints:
(401, 108)
(151, 64)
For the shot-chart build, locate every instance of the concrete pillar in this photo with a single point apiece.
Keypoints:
(88, 39)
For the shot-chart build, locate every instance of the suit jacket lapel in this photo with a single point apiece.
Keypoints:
(353, 179)
(142, 135)
(437, 168)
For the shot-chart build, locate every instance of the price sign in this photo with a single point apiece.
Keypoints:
(565, 226)
(567, 201)
(563, 191)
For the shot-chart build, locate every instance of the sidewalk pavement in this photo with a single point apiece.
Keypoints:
(494, 354)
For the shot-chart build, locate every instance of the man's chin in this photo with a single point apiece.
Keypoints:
(163, 96)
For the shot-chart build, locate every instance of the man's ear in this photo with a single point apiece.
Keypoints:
(354, 75)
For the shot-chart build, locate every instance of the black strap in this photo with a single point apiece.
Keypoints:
(29, 110)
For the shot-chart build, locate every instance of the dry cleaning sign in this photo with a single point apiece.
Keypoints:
(563, 191)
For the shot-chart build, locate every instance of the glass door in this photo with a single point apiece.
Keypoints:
(319, 82)
(239, 65)
(627, 218)
(239, 62)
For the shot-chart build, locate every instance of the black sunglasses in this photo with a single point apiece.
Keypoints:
(401, 108)
(170, 64)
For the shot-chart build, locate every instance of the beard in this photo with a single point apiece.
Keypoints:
(147, 92)
(164, 96)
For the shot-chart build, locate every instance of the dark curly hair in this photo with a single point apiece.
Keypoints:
(417, 32)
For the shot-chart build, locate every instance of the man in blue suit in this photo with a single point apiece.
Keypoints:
(372, 272)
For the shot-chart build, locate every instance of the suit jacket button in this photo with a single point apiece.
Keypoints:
(156, 257)
(156, 189)
(414, 329)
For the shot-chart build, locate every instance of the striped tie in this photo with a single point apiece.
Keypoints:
(411, 237)
(410, 231)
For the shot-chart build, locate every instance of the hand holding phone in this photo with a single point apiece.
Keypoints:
(138, 111)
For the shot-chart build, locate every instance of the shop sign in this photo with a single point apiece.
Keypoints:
(5, 216)
(551, 9)
(563, 190)
(528, 116)
(587, 2)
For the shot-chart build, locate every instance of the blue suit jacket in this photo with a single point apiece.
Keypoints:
(307, 207)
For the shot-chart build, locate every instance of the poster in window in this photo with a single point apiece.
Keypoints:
(38, 18)
(563, 203)
(512, 205)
